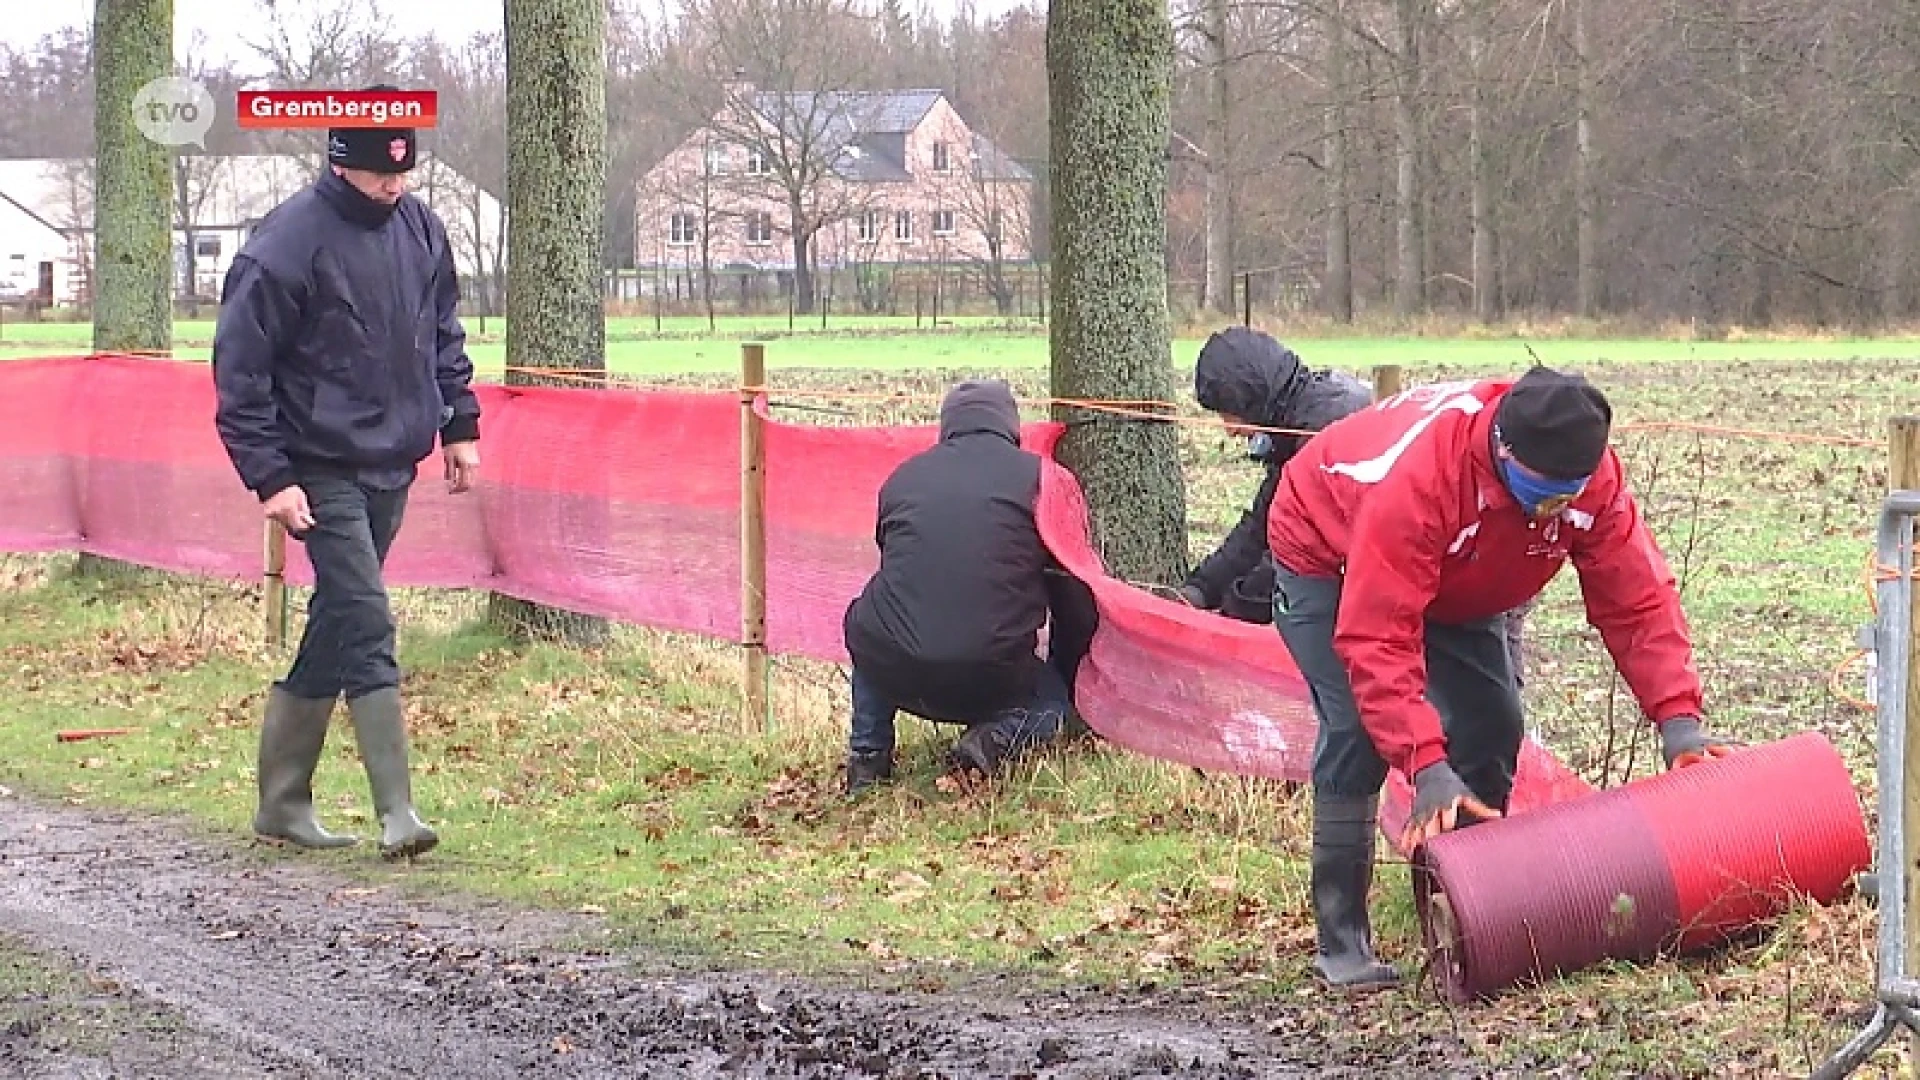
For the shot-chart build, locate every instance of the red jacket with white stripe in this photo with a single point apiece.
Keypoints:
(1404, 500)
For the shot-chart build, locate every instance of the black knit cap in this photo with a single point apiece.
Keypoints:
(375, 149)
(1556, 424)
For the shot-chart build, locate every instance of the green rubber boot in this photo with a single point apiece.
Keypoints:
(291, 738)
(380, 728)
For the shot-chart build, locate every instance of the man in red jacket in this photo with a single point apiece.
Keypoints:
(1400, 536)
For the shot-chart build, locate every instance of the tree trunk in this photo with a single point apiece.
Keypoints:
(1486, 286)
(556, 184)
(133, 181)
(1109, 76)
(1338, 286)
(1409, 292)
(133, 191)
(1220, 260)
(1587, 270)
(802, 259)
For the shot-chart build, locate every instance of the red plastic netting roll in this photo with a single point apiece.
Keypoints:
(1671, 863)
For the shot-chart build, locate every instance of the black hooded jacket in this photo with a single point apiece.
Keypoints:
(952, 617)
(1248, 375)
(338, 348)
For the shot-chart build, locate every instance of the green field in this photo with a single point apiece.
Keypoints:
(620, 779)
(975, 344)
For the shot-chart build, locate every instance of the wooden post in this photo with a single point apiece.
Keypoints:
(757, 710)
(1246, 298)
(1387, 381)
(276, 584)
(1903, 474)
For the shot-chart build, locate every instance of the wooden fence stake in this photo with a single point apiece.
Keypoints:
(1903, 474)
(276, 584)
(753, 540)
(1387, 381)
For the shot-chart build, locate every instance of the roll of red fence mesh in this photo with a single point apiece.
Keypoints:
(1668, 864)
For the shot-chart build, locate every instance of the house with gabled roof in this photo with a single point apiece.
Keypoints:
(867, 177)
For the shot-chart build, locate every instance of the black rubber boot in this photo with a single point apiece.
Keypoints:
(379, 725)
(865, 769)
(291, 738)
(1343, 837)
(980, 748)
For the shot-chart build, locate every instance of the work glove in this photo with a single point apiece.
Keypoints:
(1683, 743)
(1439, 798)
(1191, 596)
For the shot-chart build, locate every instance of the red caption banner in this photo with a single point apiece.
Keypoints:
(337, 108)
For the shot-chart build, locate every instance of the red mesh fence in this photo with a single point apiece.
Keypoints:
(627, 504)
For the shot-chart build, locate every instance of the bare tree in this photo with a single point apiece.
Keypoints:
(693, 200)
(1486, 285)
(470, 141)
(785, 70)
(1337, 285)
(1217, 59)
(317, 44)
(1587, 250)
(993, 206)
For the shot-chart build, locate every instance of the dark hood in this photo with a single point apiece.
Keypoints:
(983, 405)
(1245, 373)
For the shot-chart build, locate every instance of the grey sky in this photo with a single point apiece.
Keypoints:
(452, 20)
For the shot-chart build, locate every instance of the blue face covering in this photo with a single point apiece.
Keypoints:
(1535, 493)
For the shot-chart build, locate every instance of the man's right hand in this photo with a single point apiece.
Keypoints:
(289, 507)
(1439, 797)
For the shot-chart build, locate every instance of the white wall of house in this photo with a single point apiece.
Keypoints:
(31, 251)
(227, 197)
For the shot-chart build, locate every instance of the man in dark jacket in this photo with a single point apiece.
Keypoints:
(1253, 381)
(948, 627)
(338, 361)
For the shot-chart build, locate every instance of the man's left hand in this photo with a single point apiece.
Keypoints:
(1683, 742)
(463, 464)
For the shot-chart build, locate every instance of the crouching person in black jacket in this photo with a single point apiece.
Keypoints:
(948, 627)
(1253, 381)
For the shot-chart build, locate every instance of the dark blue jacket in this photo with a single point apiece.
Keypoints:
(338, 350)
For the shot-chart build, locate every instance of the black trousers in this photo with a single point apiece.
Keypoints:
(348, 646)
(1469, 680)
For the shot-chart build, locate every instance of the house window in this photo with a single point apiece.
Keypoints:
(756, 162)
(942, 159)
(943, 223)
(903, 226)
(760, 227)
(716, 161)
(681, 228)
(206, 247)
(870, 226)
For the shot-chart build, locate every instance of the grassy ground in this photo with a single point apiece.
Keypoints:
(620, 780)
(894, 345)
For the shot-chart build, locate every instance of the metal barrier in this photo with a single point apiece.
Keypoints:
(1897, 991)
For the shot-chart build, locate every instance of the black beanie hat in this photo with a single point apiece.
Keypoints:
(1555, 424)
(375, 149)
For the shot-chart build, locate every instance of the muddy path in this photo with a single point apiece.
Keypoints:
(267, 965)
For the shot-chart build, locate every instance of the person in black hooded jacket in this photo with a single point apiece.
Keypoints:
(948, 627)
(1253, 381)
